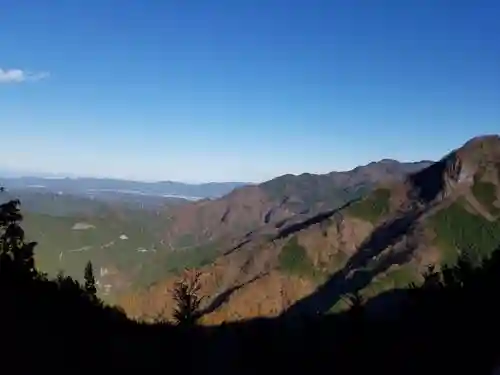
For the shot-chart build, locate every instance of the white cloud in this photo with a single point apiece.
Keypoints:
(19, 76)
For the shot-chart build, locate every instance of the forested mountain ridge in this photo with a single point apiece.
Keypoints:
(382, 241)
(250, 207)
(135, 238)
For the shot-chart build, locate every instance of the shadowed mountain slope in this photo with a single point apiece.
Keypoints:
(247, 208)
(306, 263)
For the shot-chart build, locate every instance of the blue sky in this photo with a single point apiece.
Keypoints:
(198, 90)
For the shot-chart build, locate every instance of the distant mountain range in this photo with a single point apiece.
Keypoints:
(105, 186)
(309, 246)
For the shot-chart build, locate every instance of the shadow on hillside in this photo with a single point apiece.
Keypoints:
(449, 325)
(224, 296)
(316, 219)
(429, 182)
(235, 248)
(356, 274)
(285, 231)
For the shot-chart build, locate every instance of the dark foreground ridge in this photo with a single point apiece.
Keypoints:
(448, 325)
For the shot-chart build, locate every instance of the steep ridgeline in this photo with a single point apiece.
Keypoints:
(380, 242)
(273, 202)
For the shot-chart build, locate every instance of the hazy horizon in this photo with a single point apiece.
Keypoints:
(228, 90)
(61, 175)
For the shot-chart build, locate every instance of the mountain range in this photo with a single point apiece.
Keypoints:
(294, 244)
(165, 235)
(101, 186)
(277, 201)
(298, 244)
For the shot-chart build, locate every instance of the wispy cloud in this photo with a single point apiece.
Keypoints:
(19, 76)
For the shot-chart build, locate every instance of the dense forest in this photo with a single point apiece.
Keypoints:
(448, 324)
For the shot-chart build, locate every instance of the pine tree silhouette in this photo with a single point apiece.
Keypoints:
(90, 284)
(185, 293)
(16, 256)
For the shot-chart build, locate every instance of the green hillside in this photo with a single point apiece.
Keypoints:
(129, 242)
(458, 229)
(123, 241)
(374, 206)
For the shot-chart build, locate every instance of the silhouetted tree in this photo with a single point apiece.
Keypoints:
(16, 256)
(185, 293)
(356, 304)
(90, 284)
